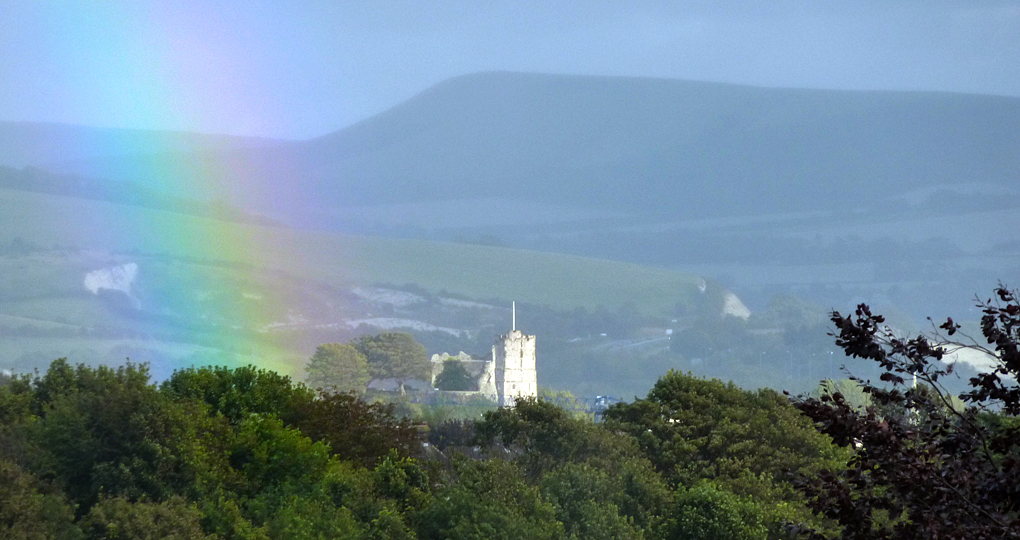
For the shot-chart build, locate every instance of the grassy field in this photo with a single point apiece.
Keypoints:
(216, 292)
(558, 281)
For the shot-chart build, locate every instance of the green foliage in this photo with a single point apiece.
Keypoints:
(357, 430)
(247, 454)
(455, 377)
(299, 518)
(205, 455)
(587, 502)
(490, 501)
(693, 428)
(337, 367)
(105, 431)
(16, 401)
(240, 392)
(403, 480)
(63, 379)
(275, 459)
(120, 519)
(705, 512)
(572, 455)
(544, 435)
(752, 444)
(455, 433)
(395, 355)
(349, 486)
(222, 515)
(26, 513)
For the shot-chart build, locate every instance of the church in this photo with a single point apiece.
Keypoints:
(508, 375)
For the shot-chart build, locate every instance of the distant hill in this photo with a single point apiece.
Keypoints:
(646, 146)
(130, 193)
(909, 198)
(674, 147)
(42, 144)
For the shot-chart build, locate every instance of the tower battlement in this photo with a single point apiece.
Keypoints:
(513, 355)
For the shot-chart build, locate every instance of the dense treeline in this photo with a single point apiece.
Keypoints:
(102, 453)
(248, 454)
(212, 452)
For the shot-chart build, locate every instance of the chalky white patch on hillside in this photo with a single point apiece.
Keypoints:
(389, 323)
(977, 359)
(387, 296)
(113, 278)
(465, 303)
(733, 307)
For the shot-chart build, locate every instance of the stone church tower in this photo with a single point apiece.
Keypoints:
(514, 357)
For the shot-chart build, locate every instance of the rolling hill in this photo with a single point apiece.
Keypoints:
(647, 147)
(47, 145)
(90, 279)
(907, 199)
(559, 281)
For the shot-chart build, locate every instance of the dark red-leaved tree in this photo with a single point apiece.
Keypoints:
(923, 468)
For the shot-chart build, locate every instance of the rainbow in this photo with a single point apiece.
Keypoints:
(205, 286)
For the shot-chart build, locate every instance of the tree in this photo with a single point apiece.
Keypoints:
(275, 461)
(752, 444)
(588, 502)
(544, 436)
(490, 501)
(395, 355)
(358, 431)
(693, 428)
(575, 461)
(105, 432)
(240, 392)
(337, 367)
(28, 514)
(455, 377)
(705, 512)
(121, 519)
(921, 467)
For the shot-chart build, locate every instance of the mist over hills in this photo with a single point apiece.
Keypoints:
(775, 190)
(904, 200)
(47, 144)
(675, 148)
(652, 147)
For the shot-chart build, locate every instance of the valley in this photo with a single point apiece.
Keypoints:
(612, 209)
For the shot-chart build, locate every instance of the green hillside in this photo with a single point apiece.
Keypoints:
(209, 291)
(558, 281)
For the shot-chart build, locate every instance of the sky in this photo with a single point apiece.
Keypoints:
(298, 69)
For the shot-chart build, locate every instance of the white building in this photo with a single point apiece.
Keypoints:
(508, 375)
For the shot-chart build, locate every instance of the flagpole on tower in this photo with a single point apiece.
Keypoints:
(514, 308)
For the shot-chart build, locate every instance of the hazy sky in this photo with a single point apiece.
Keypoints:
(303, 68)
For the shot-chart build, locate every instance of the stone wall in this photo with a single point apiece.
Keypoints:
(483, 370)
